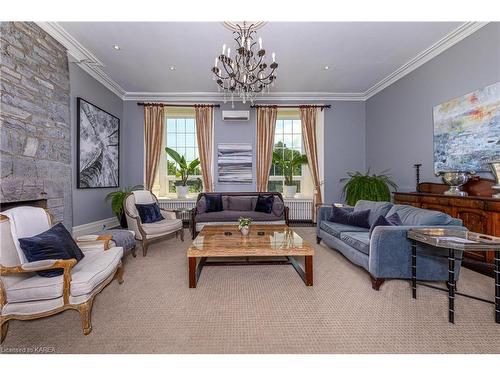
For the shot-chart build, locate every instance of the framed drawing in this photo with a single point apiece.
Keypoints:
(467, 131)
(234, 163)
(98, 147)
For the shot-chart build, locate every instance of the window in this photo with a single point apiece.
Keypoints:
(180, 135)
(288, 142)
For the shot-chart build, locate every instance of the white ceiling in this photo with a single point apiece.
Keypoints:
(360, 54)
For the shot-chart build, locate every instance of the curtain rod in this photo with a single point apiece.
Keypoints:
(179, 105)
(322, 106)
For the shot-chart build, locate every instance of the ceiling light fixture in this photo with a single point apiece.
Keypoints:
(171, 67)
(117, 47)
(326, 67)
(247, 73)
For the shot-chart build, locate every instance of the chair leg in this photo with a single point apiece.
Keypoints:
(318, 240)
(85, 310)
(119, 273)
(145, 246)
(182, 234)
(4, 327)
(134, 253)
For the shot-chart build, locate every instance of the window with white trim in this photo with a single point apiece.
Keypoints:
(288, 141)
(180, 135)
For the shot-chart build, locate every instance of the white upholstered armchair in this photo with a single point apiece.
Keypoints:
(145, 233)
(25, 295)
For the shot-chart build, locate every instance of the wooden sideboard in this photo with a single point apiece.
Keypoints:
(478, 211)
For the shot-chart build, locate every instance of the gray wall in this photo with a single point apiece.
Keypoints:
(89, 204)
(399, 127)
(344, 142)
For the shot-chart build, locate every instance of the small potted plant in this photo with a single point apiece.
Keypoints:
(117, 198)
(369, 187)
(244, 225)
(289, 161)
(183, 171)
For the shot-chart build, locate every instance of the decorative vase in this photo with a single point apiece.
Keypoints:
(245, 230)
(181, 191)
(456, 179)
(495, 169)
(289, 191)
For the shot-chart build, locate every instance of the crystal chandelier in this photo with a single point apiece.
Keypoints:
(246, 73)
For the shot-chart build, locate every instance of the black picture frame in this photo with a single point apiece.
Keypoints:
(89, 178)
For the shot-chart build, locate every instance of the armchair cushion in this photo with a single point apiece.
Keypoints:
(55, 243)
(149, 213)
(162, 227)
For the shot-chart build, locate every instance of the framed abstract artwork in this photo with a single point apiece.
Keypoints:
(234, 163)
(98, 147)
(467, 131)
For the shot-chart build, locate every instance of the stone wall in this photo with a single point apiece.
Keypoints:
(35, 134)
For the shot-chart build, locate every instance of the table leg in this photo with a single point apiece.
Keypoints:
(414, 268)
(451, 286)
(309, 270)
(192, 272)
(497, 286)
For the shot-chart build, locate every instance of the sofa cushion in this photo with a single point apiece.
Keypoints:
(376, 209)
(391, 220)
(278, 207)
(201, 205)
(264, 204)
(233, 216)
(55, 243)
(355, 218)
(335, 229)
(358, 240)
(410, 215)
(213, 202)
(149, 213)
(162, 227)
(85, 277)
(237, 203)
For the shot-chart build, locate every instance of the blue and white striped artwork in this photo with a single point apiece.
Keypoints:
(234, 161)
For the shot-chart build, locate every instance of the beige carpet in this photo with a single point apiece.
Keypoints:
(266, 309)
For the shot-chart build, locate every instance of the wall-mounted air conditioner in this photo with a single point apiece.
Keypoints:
(235, 115)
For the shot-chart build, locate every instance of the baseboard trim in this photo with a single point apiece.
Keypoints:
(95, 226)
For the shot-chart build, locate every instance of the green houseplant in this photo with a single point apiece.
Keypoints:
(289, 162)
(117, 198)
(183, 171)
(367, 186)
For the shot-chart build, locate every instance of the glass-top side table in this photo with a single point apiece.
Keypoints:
(455, 240)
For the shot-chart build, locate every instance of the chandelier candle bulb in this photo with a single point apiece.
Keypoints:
(229, 52)
(223, 49)
(260, 43)
(274, 57)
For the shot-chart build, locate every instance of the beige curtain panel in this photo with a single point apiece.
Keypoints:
(266, 124)
(205, 138)
(154, 124)
(308, 120)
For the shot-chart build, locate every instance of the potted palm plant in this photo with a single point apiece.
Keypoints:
(117, 198)
(183, 171)
(368, 187)
(289, 161)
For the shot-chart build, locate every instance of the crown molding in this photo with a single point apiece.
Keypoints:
(94, 67)
(460, 33)
(219, 97)
(82, 56)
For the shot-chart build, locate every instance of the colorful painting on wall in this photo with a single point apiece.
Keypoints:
(467, 131)
(234, 162)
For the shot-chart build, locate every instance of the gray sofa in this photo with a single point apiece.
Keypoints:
(387, 254)
(236, 205)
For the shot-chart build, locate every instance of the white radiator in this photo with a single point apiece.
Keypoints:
(299, 209)
(172, 204)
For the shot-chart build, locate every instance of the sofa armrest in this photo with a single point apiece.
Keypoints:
(390, 251)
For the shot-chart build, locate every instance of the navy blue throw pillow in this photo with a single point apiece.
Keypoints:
(213, 202)
(355, 218)
(55, 243)
(393, 220)
(149, 213)
(264, 204)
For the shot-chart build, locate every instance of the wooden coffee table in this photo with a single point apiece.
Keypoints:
(262, 243)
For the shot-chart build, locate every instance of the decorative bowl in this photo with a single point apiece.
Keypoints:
(455, 179)
(495, 169)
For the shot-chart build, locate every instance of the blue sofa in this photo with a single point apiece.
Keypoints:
(387, 254)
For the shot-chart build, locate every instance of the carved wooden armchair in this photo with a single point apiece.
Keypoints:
(24, 295)
(145, 233)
